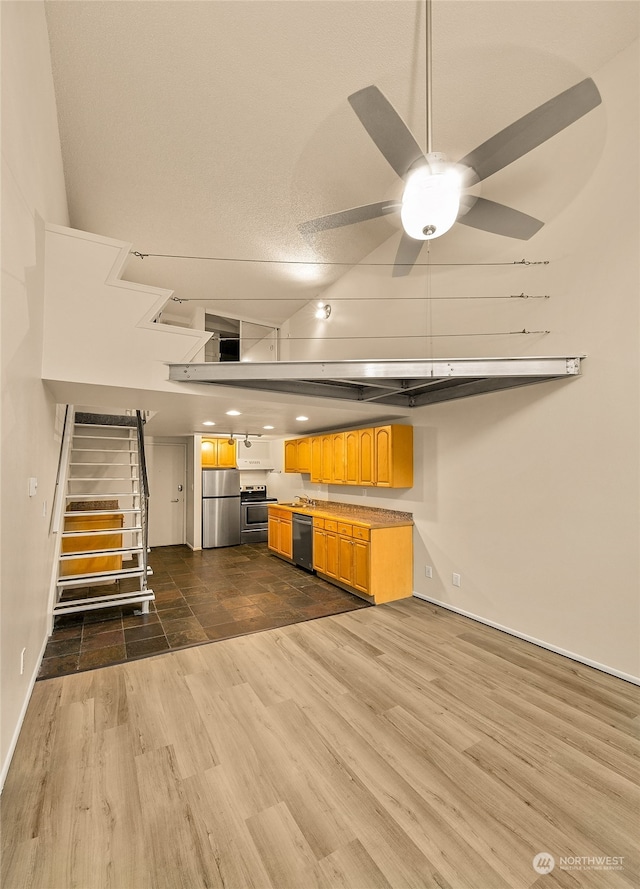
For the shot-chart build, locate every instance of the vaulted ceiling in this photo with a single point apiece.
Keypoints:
(213, 128)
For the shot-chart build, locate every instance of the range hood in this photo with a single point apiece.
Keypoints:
(406, 383)
(258, 456)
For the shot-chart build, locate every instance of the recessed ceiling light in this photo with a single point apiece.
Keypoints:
(302, 418)
(208, 423)
(267, 427)
(233, 413)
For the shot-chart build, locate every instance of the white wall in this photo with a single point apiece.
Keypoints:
(99, 329)
(32, 191)
(532, 495)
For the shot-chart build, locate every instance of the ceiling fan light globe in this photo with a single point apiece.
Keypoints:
(431, 202)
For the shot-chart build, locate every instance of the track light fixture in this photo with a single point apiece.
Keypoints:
(323, 311)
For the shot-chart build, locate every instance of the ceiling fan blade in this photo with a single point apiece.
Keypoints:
(387, 129)
(496, 218)
(348, 217)
(533, 129)
(408, 251)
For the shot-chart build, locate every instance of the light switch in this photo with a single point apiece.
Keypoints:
(33, 487)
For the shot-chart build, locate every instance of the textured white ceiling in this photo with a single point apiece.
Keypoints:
(213, 128)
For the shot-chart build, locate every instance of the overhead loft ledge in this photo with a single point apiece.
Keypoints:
(402, 382)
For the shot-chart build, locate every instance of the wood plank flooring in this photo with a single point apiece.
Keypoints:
(390, 747)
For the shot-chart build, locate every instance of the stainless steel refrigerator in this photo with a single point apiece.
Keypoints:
(220, 507)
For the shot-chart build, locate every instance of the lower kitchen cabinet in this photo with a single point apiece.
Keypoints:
(374, 562)
(280, 533)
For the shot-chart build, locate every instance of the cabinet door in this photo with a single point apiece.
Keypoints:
(304, 455)
(226, 453)
(273, 533)
(383, 464)
(345, 560)
(338, 459)
(361, 565)
(316, 458)
(320, 550)
(209, 452)
(327, 459)
(286, 538)
(291, 455)
(332, 554)
(351, 457)
(366, 457)
(401, 456)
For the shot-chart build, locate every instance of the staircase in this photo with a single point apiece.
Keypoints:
(103, 553)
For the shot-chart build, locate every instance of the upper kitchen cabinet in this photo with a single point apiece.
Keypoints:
(393, 450)
(218, 452)
(297, 455)
(380, 456)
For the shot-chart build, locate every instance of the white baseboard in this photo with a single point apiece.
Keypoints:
(570, 654)
(194, 549)
(23, 711)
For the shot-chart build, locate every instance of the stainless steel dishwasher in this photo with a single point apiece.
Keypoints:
(303, 540)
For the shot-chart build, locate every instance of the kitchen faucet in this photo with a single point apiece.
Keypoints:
(303, 500)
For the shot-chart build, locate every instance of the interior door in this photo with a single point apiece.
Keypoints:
(166, 467)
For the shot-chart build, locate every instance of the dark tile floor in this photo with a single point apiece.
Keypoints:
(201, 597)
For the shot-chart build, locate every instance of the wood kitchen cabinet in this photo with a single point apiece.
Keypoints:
(366, 457)
(304, 455)
(338, 458)
(319, 546)
(321, 458)
(375, 562)
(393, 456)
(378, 456)
(352, 457)
(280, 532)
(217, 452)
(297, 455)
(291, 455)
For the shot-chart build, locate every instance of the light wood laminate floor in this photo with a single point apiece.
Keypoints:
(397, 746)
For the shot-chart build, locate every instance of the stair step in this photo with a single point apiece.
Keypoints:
(103, 462)
(119, 529)
(103, 437)
(104, 478)
(95, 602)
(91, 553)
(84, 418)
(105, 450)
(109, 494)
(100, 511)
(98, 577)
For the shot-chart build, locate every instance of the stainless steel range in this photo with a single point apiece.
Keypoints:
(254, 513)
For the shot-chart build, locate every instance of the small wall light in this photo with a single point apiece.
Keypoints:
(323, 311)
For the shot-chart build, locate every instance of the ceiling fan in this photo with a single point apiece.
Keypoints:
(433, 198)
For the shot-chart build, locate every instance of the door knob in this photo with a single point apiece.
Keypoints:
(177, 500)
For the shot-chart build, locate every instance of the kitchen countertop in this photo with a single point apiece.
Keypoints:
(366, 516)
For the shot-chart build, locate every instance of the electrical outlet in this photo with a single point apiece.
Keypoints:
(456, 579)
(22, 654)
(428, 571)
